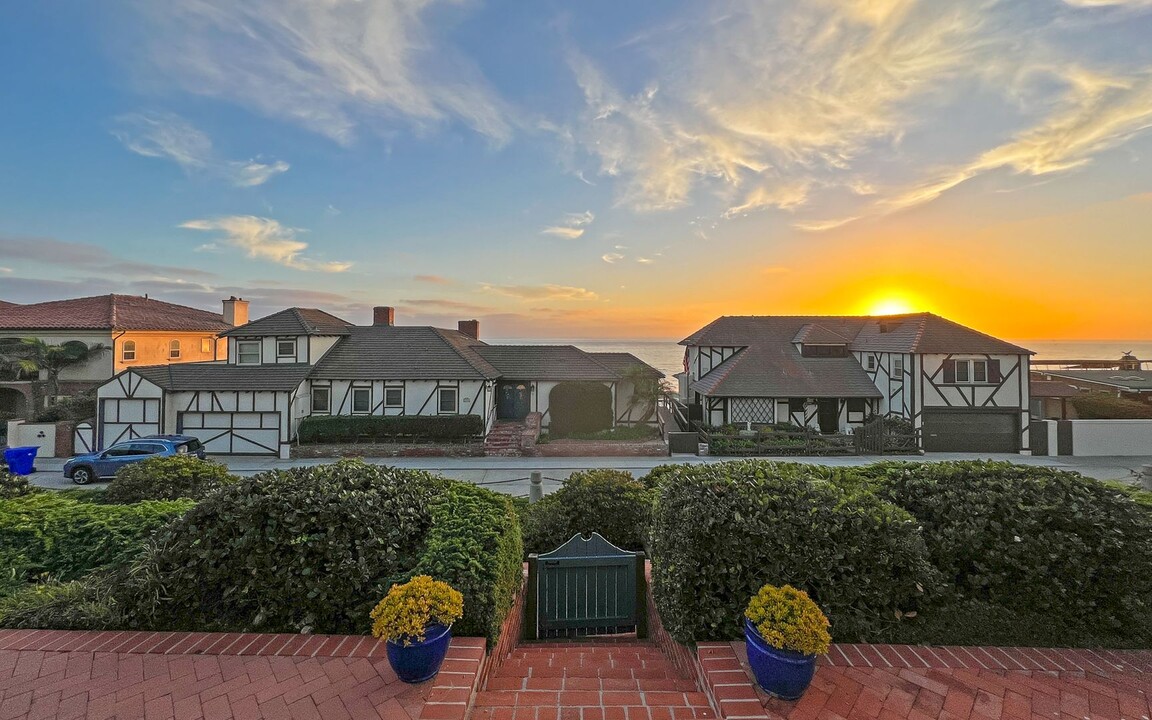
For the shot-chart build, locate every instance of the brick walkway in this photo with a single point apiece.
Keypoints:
(590, 681)
(94, 675)
(918, 683)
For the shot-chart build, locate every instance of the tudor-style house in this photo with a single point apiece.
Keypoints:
(301, 362)
(964, 390)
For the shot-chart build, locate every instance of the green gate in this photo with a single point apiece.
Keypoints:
(586, 587)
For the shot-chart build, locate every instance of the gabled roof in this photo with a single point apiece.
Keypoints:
(622, 363)
(815, 334)
(222, 376)
(777, 370)
(109, 312)
(1051, 389)
(293, 321)
(404, 353)
(545, 362)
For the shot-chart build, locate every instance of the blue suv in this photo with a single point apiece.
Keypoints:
(83, 469)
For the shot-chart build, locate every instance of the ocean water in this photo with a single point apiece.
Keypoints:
(668, 357)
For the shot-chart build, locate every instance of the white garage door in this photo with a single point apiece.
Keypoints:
(127, 418)
(234, 433)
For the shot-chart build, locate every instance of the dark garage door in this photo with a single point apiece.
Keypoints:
(971, 431)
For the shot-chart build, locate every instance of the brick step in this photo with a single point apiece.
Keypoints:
(591, 698)
(599, 712)
(569, 682)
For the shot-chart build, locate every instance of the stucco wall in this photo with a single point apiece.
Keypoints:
(1111, 437)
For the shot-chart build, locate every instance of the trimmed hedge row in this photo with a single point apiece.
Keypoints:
(353, 428)
(1029, 538)
(308, 548)
(721, 531)
(474, 545)
(168, 478)
(579, 407)
(44, 533)
(609, 502)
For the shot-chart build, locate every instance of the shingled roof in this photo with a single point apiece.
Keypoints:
(6, 304)
(778, 370)
(546, 362)
(109, 312)
(222, 376)
(293, 321)
(408, 353)
(622, 363)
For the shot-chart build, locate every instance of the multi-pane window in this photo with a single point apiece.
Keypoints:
(447, 400)
(393, 397)
(321, 400)
(247, 352)
(174, 350)
(871, 362)
(897, 365)
(205, 345)
(361, 400)
(286, 349)
(979, 371)
(128, 352)
(972, 372)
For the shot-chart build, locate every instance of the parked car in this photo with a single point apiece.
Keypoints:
(83, 469)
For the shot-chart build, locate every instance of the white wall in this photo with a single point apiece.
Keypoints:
(40, 435)
(1110, 437)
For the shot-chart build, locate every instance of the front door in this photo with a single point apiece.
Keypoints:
(514, 400)
(828, 414)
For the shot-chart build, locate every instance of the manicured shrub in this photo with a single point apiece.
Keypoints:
(1032, 538)
(474, 545)
(14, 485)
(374, 428)
(168, 478)
(67, 539)
(788, 619)
(609, 502)
(75, 605)
(1102, 406)
(723, 530)
(409, 608)
(286, 550)
(579, 407)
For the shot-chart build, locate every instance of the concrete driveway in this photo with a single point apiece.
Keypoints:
(511, 475)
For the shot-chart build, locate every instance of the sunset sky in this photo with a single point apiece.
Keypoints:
(586, 169)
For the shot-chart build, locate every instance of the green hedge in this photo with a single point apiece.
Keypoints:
(358, 428)
(66, 539)
(579, 407)
(75, 605)
(1103, 406)
(1030, 538)
(14, 485)
(720, 531)
(609, 502)
(474, 545)
(168, 478)
(309, 548)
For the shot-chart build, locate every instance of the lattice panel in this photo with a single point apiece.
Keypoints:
(757, 410)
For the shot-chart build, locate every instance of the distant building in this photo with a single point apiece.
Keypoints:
(1134, 384)
(965, 390)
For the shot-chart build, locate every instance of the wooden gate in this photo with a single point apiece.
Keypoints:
(586, 587)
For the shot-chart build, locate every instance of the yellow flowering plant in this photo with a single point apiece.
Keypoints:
(788, 619)
(408, 609)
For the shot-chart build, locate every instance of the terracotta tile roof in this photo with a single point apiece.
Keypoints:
(293, 321)
(6, 304)
(109, 312)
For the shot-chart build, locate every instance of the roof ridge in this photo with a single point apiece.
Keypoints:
(597, 362)
(452, 346)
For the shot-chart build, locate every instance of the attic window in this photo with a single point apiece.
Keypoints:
(286, 349)
(823, 351)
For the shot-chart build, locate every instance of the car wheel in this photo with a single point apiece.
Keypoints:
(83, 475)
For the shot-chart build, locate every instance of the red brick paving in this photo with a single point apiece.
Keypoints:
(94, 675)
(893, 682)
(590, 681)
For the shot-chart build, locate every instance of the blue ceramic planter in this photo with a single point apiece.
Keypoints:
(782, 673)
(421, 661)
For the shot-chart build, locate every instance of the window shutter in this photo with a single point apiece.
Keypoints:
(950, 371)
(994, 376)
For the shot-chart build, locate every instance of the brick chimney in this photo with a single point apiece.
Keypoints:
(384, 316)
(235, 311)
(471, 328)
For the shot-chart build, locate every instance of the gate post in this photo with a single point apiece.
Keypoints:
(641, 598)
(531, 619)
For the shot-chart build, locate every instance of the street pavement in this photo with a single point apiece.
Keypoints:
(511, 475)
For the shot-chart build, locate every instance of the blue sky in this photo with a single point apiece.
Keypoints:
(593, 169)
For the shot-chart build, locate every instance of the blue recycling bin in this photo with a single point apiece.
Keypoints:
(21, 459)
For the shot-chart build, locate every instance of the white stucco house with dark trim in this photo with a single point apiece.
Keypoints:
(964, 390)
(302, 361)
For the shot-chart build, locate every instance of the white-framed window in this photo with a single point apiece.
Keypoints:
(962, 371)
(447, 401)
(205, 345)
(980, 371)
(286, 349)
(977, 372)
(393, 397)
(321, 400)
(247, 352)
(361, 400)
(128, 351)
(871, 362)
(897, 365)
(174, 350)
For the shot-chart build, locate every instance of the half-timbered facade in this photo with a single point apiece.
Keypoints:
(964, 390)
(301, 362)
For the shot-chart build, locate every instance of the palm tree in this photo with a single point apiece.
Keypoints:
(646, 392)
(35, 355)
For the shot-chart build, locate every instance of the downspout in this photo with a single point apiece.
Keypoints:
(114, 339)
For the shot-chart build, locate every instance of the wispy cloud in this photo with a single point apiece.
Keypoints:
(434, 279)
(265, 239)
(328, 66)
(171, 137)
(62, 254)
(440, 304)
(540, 292)
(572, 226)
(1110, 3)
